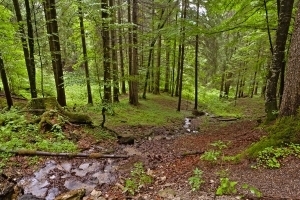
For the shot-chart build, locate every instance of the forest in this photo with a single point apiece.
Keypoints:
(157, 99)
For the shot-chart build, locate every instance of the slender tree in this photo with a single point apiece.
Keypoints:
(157, 68)
(121, 60)
(29, 58)
(84, 52)
(52, 30)
(285, 14)
(106, 51)
(133, 90)
(196, 58)
(5, 84)
(114, 56)
(182, 47)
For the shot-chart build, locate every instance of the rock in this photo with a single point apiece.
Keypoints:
(167, 193)
(72, 195)
(29, 197)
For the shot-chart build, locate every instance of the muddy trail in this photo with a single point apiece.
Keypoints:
(169, 154)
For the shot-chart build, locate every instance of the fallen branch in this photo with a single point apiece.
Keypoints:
(192, 153)
(227, 120)
(28, 152)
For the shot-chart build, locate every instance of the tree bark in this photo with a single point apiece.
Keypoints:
(106, 52)
(196, 60)
(167, 73)
(133, 92)
(123, 85)
(184, 4)
(114, 56)
(5, 84)
(291, 95)
(84, 52)
(286, 7)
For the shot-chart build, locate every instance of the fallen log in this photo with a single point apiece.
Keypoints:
(192, 153)
(27, 152)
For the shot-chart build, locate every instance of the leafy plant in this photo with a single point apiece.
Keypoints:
(138, 179)
(196, 180)
(211, 156)
(214, 155)
(226, 187)
(270, 156)
(253, 190)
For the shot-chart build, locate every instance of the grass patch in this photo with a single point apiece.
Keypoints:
(156, 110)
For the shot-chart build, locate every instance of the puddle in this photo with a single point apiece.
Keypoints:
(44, 182)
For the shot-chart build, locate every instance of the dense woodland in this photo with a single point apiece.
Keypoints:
(97, 50)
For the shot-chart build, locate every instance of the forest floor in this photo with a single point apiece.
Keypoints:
(171, 153)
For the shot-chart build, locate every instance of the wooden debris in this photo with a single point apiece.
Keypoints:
(28, 152)
(192, 153)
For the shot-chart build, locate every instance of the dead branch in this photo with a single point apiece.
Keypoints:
(27, 152)
(192, 153)
(227, 120)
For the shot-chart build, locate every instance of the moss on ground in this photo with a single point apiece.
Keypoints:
(285, 130)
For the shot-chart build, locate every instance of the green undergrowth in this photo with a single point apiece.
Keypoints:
(17, 133)
(285, 130)
(155, 110)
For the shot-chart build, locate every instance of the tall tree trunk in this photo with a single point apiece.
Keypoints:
(114, 55)
(157, 68)
(39, 50)
(106, 52)
(129, 19)
(286, 7)
(291, 95)
(133, 93)
(196, 60)
(52, 29)
(84, 52)
(28, 55)
(184, 4)
(5, 84)
(120, 16)
(167, 73)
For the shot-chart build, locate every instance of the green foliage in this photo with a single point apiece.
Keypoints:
(270, 156)
(211, 156)
(210, 101)
(138, 179)
(17, 133)
(226, 187)
(214, 155)
(284, 131)
(196, 180)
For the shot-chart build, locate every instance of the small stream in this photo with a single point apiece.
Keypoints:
(46, 182)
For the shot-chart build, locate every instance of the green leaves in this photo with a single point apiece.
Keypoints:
(196, 180)
(226, 187)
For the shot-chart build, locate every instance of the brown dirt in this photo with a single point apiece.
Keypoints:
(162, 153)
